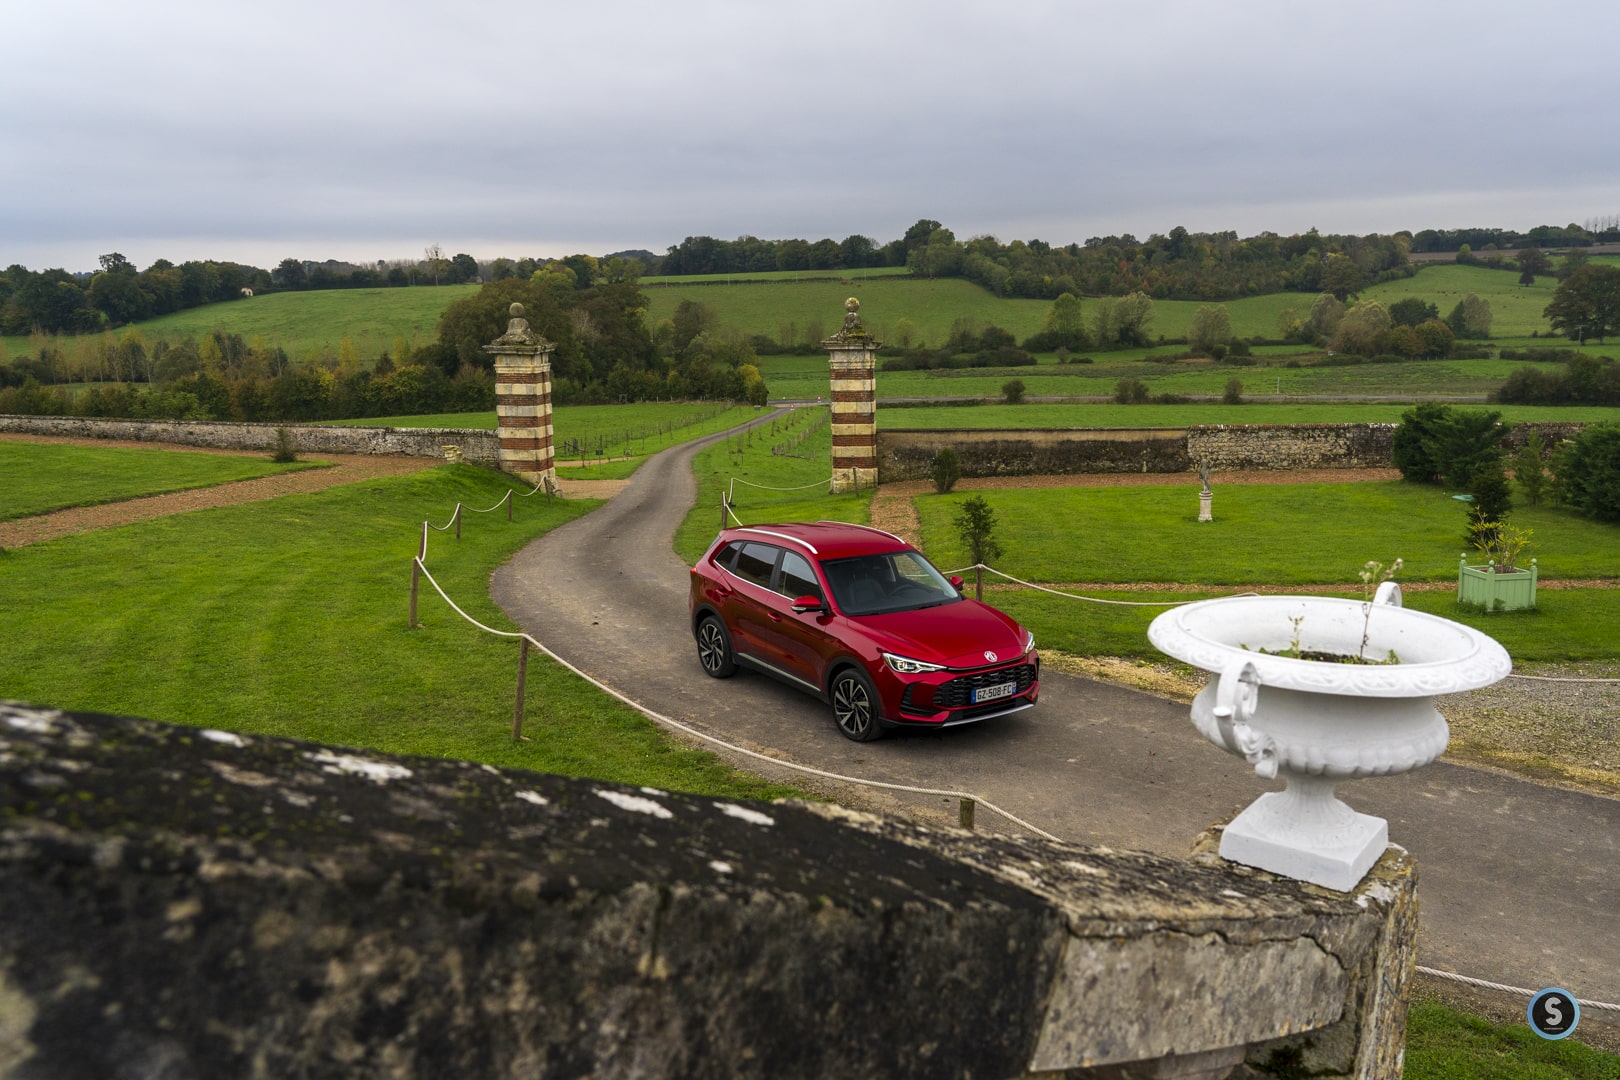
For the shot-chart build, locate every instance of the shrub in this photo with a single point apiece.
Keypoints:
(1588, 472)
(1233, 395)
(1488, 484)
(1013, 391)
(1409, 449)
(1528, 471)
(946, 471)
(1131, 391)
(286, 448)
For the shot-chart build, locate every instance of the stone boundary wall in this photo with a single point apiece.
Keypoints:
(909, 455)
(186, 902)
(478, 447)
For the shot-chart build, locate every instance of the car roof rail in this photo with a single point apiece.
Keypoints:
(780, 536)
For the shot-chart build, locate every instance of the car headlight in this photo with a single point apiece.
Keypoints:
(907, 666)
(1029, 641)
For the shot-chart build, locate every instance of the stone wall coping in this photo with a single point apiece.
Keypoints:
(373, 914)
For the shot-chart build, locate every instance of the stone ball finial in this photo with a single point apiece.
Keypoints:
(516, 311)
(852, 304)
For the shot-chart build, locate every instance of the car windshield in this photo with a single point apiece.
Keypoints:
(878, 584)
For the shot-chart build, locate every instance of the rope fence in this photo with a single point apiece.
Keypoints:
(967, 801)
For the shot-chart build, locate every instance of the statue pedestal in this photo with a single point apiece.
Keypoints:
(1206, 500)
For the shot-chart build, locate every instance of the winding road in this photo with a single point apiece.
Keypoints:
(1520, 883)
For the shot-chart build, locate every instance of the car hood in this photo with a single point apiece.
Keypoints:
(957, 635)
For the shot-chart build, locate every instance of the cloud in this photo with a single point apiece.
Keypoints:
(192, 130)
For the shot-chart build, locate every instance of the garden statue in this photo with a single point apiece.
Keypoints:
(1206, 498)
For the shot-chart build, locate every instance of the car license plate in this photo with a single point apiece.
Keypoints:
(991, 693)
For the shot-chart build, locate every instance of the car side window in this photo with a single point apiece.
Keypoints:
(755, 562)
(797, 578)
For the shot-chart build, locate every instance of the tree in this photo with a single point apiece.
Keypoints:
(466, 267)
(1211, 326)
(1532, 261)
(1342, 277)
(1233, 394)
(1412, 311)
(433, 255)
(1132, 316)
(1409, 448)
(1013, 391)
(1471, 318)
(1359, 329)
(290, 273)
(976, 524)
(946, 470)
(1326, 311)
(1462, 442)
(1066, 319)
(115, 263)
(1528, 471)
(1587, 303)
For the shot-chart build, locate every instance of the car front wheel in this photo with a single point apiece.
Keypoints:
(855, 705)
(714, 648)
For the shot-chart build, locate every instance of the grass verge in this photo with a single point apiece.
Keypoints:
(42, 477)
(1443, 1044)
(289, 618)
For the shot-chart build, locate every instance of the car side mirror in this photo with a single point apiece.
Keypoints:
(957, 582)
(803, 604)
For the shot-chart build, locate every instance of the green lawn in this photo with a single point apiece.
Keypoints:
(1152, 534)
(289, 617)
(644, 427)
(779, 275)
(1044, 416)
(1443, 1044)
(41, 477)
(748, 460)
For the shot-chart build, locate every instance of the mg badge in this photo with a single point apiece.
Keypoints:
(990, 656)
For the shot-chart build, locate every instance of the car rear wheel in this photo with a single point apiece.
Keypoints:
(714, 648)
(855, 705)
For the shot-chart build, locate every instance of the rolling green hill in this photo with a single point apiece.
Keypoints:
(374, 318)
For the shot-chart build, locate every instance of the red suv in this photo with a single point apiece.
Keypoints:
(859, 618)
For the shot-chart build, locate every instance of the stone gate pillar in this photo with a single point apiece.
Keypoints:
(853, 357)
(523, 401)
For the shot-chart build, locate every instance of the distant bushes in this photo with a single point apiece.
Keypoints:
(303, 392)
(1584, 380)
(943, 359)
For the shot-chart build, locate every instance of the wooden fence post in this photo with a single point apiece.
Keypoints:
(416, 577)
(509, 502)
(523, 675)
(458, 521)
(978, 581)
(964, 813)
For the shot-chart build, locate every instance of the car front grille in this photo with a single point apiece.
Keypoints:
(959, 692)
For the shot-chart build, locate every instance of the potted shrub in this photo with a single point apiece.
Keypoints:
(1291, 698)
(1500, 584)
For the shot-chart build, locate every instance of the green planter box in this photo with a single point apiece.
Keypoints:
(1514, 590)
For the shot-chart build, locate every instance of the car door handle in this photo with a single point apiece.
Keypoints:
(774, 616)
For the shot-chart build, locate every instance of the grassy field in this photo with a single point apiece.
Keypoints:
(863, 274)
(750, 462)
(43, 477)
(1043, 416)
(289, 617)
(301, 321)
(647, 426)
(768, 302)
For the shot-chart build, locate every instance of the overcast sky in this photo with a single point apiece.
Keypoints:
(359, 131)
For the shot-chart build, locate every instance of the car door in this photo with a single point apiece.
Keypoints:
(801, 637)
(752, 633)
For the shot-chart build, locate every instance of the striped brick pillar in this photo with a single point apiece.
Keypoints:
(523, 401)
(853, 357)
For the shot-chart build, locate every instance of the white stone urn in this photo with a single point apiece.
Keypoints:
(1319, 723)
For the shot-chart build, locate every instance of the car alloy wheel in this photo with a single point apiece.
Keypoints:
(714, 648)
(855, 706)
